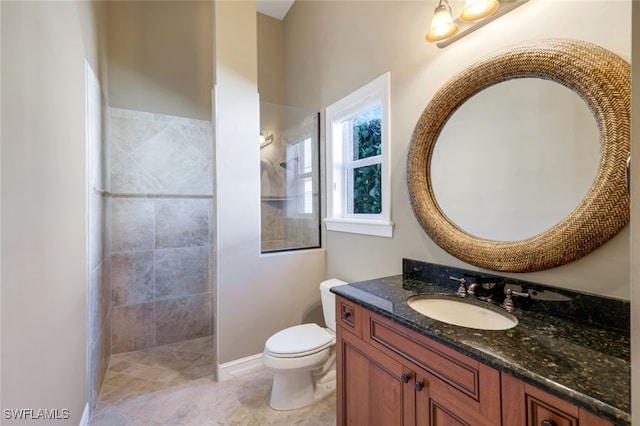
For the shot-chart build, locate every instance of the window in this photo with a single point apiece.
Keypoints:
(358, 175)
(299, 166)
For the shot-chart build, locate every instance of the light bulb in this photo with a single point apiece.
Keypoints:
(442, 25)
(474, 10)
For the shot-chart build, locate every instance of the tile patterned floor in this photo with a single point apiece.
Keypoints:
(173, 385)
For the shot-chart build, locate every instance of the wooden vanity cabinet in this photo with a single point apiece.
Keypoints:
(524, 404)
(390, 375)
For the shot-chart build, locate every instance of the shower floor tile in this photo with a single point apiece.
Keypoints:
(173, 385)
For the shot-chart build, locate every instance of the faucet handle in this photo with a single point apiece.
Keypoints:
(508, 300)
(462, 290)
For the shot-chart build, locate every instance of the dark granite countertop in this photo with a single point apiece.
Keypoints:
(577, 360)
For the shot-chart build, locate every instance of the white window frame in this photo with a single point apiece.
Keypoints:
(296, 177)
(368, 97)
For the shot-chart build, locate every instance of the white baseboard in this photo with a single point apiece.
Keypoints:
(240, 367)
(84, 421)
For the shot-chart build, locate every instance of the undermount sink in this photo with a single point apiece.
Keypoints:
(453, 310)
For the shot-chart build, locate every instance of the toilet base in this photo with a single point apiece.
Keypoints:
(293, 391)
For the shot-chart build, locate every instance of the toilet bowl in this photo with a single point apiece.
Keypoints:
(302, 358)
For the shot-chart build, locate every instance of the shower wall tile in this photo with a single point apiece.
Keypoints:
(272, 222)
(132, 277)
(95, 350)
(127, 177)
(155, 153)
(160, 247)
(132, 328)
(200, 183)
(132, 224)
(293, 230)
(93, 304)
(183, 318)
(105, 291)
(200, 134)
(98, 301)
(181, 223)
(96, 228)
(105, 347)
(99, 228)
(129, 133)
(310, 232)
(171, 159)
(181, 272)
(99, 352)
(175, 120)
(116, 155)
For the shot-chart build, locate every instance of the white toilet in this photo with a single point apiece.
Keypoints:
(303, 359)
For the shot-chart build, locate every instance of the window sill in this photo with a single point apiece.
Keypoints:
(378, 228)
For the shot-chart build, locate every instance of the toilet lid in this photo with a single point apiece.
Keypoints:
(299, 340)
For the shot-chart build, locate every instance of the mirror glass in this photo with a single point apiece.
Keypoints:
(515, 159)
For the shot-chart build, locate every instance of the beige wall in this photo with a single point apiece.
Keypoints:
(256, 295)
(43, 193)
(161, 57)
(270, 60)
(367, 39)
(92, 16)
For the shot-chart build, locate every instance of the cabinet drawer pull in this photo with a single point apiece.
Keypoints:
(548, 423)
(346, 315)
(420, 386)
(405, 378)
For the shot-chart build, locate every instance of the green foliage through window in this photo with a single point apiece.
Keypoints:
(367, 195)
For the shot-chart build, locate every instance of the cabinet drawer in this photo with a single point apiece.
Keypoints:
(348, 316)
(459, 380)
(451, 367)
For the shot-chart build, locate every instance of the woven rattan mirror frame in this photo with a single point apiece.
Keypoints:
(602, 79)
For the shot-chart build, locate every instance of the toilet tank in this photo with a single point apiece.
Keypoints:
(329, 301)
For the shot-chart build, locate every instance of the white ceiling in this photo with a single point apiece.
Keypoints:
(275, 8)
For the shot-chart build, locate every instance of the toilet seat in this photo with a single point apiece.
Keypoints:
(298, 341)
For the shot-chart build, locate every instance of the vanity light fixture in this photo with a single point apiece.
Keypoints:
(475, 10)
(442, 25)
(265, 138)
(445, 30)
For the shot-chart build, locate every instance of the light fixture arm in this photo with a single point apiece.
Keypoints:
(445, 3)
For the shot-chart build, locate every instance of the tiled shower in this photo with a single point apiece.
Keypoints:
(161, 195)
(150, 235)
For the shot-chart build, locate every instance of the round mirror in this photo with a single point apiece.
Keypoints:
(527, 160)
(456, 200)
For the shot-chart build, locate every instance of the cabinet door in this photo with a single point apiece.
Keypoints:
(437, 404)
(373, 389)
(527, 405)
